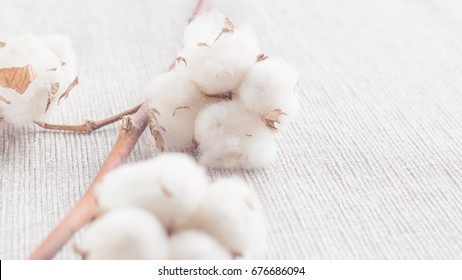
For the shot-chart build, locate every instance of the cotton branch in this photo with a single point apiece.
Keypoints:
(89, 125)
(87, 208)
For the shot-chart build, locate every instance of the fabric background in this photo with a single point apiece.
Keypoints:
(371, 169)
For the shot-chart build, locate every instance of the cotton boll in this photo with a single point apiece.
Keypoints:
(270, 85)
(196, 245)
(170, 186)
(127, 234)
(178, 100)
(232, 214)
(231, 136)
(218, 66)
(43, 77)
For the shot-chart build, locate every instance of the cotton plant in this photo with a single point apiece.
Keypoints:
(167, 208)
(36, 73)
(224, 97)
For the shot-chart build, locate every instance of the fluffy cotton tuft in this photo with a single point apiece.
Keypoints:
(270, 85)
(63, 48)
(126, 233)
(204, 29)
(222, 220)
(232, 214)
(231, 136)
(177, 99)
(50, 66)
(170, 186)
(217, 60)
(223, 62)
(196, 245)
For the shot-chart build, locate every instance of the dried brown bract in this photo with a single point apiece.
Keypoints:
(181, 59)
(3, 99)
(203, 45)
(228, 28)
(182, 107)
(160, 144)
(52, 95)
(272, 118)
(261, 57)
(69, 88)
(17, 78)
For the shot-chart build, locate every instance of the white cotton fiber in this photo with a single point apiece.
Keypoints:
(126, 233)
(231, 136)
(177, 99)
(196, 245)
(63, 48)
(232, 214)
(269, 85)
(51, 62)
(170, 186)
(217, 66)
(204, 29)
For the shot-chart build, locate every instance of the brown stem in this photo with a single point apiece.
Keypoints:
(87, 208)
(89, 125)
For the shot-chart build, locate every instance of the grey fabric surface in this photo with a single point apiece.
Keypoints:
(371, 169)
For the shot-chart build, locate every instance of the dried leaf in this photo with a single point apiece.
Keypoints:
(203, 45)
(261, 57)
(17, 78)
(181, 59)
(52, 95)
(182, 107)
(229, 26)
(52, 69)
(3, 99)
(2, 45)
(159, 139)
(155, 133)
(272, 118)
(152, 115)
(69, 88)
